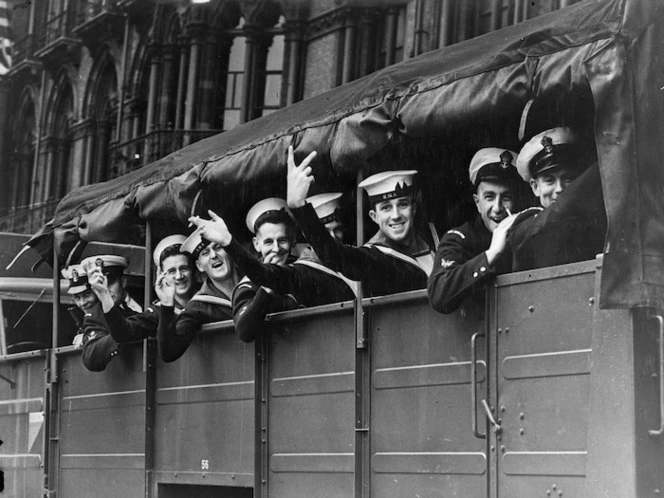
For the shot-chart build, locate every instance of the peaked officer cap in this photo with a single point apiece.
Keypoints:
(547, 150)
(493, 164)
(78, 278)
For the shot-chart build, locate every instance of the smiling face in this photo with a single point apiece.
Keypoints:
(549, 184)
(492, 201)
(395, 217)
(85, 300)
(274, 242)
(215, 262)
(177, 268)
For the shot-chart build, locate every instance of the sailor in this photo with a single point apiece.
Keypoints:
(395, 259)
(273, 239)
(173, 266)
(469, 255)
(99, 348)
(572, 223)
(308, 280)
(212, 303)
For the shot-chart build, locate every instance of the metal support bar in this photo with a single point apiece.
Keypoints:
(660, 431)
(473, 384)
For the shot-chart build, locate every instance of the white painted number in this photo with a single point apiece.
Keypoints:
(205, 464)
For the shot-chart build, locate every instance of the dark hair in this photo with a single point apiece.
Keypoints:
(174, 250)
(275, 217)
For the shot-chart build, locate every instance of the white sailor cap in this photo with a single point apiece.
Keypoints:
(493, 164)
(549, 149)
(194, 244)
(78, 278)
(112, 266)
(271, 204)
(388, 185)
(172, 240)
(326, 205)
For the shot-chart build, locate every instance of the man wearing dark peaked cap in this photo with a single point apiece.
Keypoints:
(99, 348)
(469, 255)
(571, 225)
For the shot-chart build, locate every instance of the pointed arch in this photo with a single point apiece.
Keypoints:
(23, 139)
(100, 113)
(55, 161)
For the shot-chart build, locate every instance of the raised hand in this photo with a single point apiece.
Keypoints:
(165, 289)
(214, 230)
(99, 285)
(298, 179)
(499, 238)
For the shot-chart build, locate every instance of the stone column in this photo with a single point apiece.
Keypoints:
(195, 49)
(183, 48)
(155, 63)
(89, 140)
(293, 60)
(249, 76)
(348, 72)
(166, 94)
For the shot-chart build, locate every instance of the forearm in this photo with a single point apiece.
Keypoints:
(448, 287)
(130, 329)
(355, 263)
(275, 277)
(98, 352)
(250, 315)
(174, 334)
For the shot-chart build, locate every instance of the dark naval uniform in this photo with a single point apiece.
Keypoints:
(136, 327)
(175, 333)
(381, 266)
(569, 230)
(461, 267)
(307, 279)
(252, 302)
(99, 347)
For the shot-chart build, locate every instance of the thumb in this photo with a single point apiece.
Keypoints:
(214, 216)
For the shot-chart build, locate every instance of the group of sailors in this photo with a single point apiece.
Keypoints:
(245, 288)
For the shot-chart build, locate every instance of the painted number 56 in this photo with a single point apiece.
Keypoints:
(205, 464)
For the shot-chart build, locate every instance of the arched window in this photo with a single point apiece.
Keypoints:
(272, 98)
(23, 155)
(102, 113)
(232, 81)
(56, 169)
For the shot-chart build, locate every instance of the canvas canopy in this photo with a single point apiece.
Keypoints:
(603, 55)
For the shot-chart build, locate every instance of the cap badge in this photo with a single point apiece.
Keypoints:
(505, 160)
(99, 262)
(74, 276)
(547, 142)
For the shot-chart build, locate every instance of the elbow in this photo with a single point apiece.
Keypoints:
(245, 335)
(439, 301)
(169, 356)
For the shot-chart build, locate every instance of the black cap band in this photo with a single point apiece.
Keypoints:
(404, 190)
(552, 156)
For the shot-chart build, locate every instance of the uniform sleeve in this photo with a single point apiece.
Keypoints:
(249, 309)
(99, 347)
(133, 328)
(456, 273)
(281, 279)
(571, 229)
(176, 332)
(354, 262)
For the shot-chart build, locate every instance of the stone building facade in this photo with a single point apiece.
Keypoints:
(98, 88)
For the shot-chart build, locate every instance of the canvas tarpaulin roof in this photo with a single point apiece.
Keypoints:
(609, 49)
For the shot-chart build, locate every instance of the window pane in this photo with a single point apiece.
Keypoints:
(273, 90)
(275, 56)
